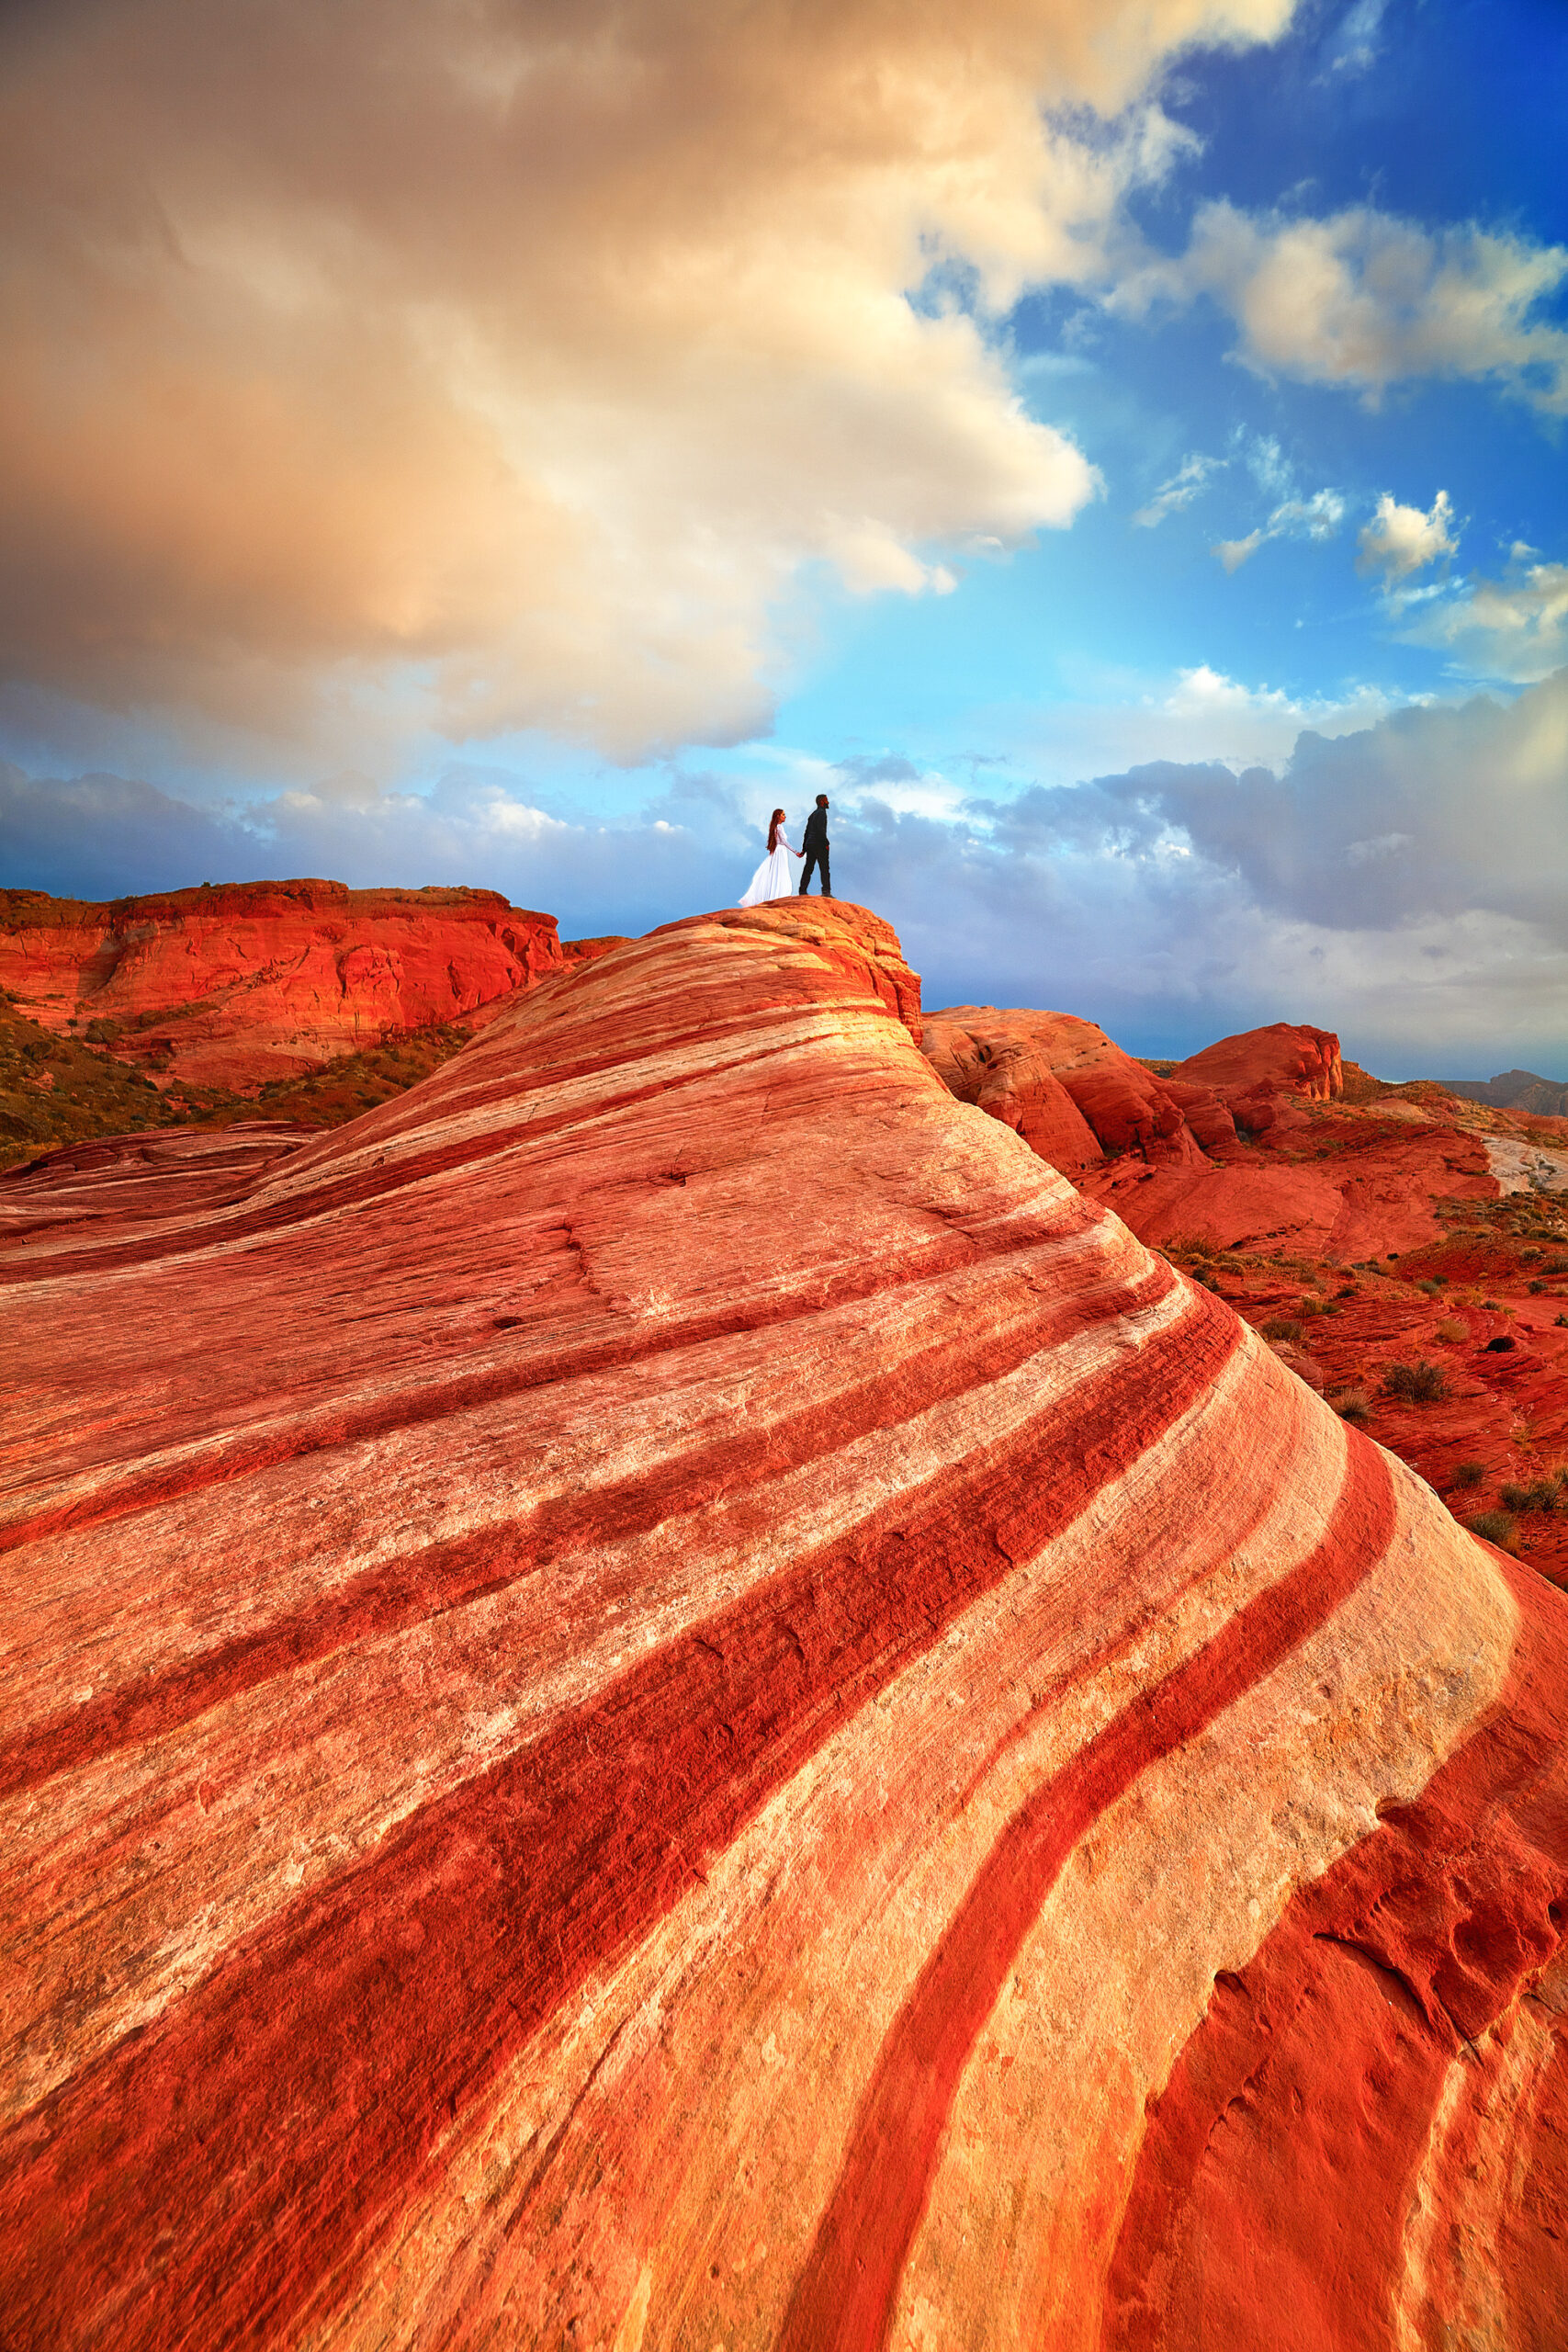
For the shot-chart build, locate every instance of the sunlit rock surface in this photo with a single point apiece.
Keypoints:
(664, 1696)
(233, 986)
(1061, 1083)
(1286, 1058)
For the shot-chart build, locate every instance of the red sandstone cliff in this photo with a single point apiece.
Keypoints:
(1292, 1059)
(233, 986)
(664, 1695)
(1262, 1076)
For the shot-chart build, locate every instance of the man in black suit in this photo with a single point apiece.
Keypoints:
(815, 844)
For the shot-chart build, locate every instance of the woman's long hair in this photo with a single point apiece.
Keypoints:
(774, 829)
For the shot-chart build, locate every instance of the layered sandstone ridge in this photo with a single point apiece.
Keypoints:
(236, 985)
(665, 1696)
(1077, 1098)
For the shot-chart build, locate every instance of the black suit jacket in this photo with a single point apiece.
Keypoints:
(814, 840)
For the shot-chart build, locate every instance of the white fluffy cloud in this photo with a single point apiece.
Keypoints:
(1515, 627)
(1401, 539)
(1365, 300)
(525, 356)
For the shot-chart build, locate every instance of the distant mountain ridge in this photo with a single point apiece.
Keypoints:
(1514, 1089)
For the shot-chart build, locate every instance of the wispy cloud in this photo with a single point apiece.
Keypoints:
(1190, 481)
(1355, 46)
(1317, 517)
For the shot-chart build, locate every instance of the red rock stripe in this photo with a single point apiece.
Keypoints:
(1349, 2016)
(263, 2135)
(213, 1228)
(235, 1455)
(843, 2300)
(400, 1593)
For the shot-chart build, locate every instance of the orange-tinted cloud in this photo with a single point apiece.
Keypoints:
(526, 349)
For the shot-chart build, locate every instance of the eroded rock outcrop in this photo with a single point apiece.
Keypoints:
(1061, 1083)
(664, 1695)
(234, 985)
(1286, 1058)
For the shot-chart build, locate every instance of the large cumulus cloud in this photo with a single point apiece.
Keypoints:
(1433, 811)
(523, 354)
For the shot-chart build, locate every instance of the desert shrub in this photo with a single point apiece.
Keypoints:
(1452, 1331)
(1441, 1280)
(1536, 1287)
(1430, 1286)
(1187, 1245)
(1542, 1494)
(1350, 1404)
(1415, 1384)
(1495, 1526)
(1562, 1323)
(1468, 1474)
(1284, 1326)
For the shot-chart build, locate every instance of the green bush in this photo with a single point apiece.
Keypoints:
(1495, 1526)
(1351, 1404)
(1284, 1326)
(1469, 1474)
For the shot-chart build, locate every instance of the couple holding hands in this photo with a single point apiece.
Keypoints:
(771, 879)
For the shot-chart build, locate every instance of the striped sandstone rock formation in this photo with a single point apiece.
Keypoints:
(663, 1696)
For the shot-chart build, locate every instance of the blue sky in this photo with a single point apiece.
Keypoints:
(1127, 477)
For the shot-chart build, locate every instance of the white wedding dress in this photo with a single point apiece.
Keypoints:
(773, 878)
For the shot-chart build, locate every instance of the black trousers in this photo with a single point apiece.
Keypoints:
(816, 857)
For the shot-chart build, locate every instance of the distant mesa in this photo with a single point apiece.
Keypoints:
(666, 1695)
(1514, 1089)
(241, 984)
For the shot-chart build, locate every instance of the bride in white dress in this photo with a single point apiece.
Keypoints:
(773, 878)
